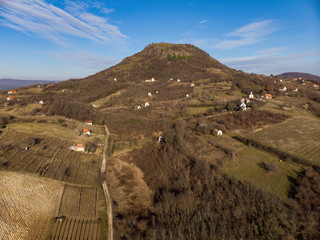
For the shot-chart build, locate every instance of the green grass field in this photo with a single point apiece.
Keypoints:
(299, 136)
(245, 167)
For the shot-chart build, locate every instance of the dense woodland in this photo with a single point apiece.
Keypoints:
(194, 200)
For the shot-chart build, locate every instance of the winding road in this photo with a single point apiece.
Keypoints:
(105, 186)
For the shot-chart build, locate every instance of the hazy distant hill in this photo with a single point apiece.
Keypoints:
(8, 83)
(306, 76)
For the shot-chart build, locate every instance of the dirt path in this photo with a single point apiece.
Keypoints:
(105, 186)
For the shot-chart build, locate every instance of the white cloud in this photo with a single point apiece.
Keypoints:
(247, 35)
(107, 10)
(204, 21)
(45, 20)
(275, 64)
(272, 51)
(85, 59)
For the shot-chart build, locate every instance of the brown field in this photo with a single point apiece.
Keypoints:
(127, 186)
(76, 228)
(27, 204)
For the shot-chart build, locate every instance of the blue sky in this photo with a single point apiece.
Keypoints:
(62, 39)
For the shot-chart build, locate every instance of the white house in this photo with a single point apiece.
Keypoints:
(9, 98)
(115, 79)
(268, 96)
(295, 89)
(283, 89)
(193, 85)
(78, 147)
(149, 94)
(251, 95)
(178, 80)
(147, 104)
(280, 80)
(41, 102)
(218, 132)
(87, 131)
(187, 95)
(315, 85)
(12, 91)
(243, 106)
(88, 122)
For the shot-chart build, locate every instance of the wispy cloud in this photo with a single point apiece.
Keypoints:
(271, 63)
(76, 7)
(247, 35)
(85, 59)
(45, 20)
(272, 51)
(203, 21)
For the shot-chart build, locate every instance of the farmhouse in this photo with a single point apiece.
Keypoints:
(149, 94)
(178, 80)
(88, 122)
(9, 98)
(78, 147)
(250, 96)
(87, 131)
(268, 96)
(315, 85)
(41, 102)
(138, 107)
(295, 89)
(283, 89)
(187, 95)
(147, 104)
(217, 132)
(193, 84)
(12, 91)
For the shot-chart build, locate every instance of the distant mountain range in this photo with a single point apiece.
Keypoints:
(8, 83)
(306, 76)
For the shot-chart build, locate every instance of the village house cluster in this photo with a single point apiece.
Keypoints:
(80, 147)
(10, 97)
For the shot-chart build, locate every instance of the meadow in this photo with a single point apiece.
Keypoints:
(299, 136)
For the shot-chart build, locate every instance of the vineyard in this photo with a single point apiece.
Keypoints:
(27, 204)
(77, 214)
(26, 149)
(49, 157)
(297, 136)
(78, 201)
(76, 228)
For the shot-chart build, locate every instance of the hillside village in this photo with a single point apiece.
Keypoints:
(174, 135)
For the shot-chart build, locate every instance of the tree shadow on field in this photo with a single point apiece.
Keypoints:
(294, 182)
